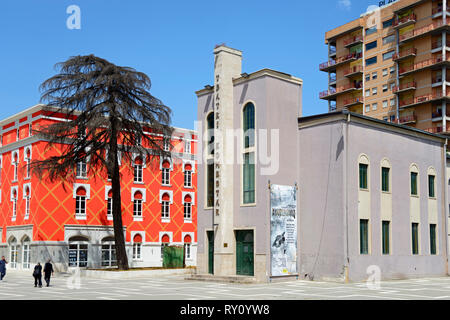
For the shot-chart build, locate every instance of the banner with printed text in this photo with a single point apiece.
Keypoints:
(283, 230)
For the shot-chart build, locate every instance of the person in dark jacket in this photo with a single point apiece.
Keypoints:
(48, 271)
(37, 274)
(3, 264)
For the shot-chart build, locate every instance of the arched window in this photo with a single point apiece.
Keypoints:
(166, 173)
(137, 247)
(137, 204)
(78, 251)
(363, 172)
(188, 175)
(28, 163)
(138, 170)
(13, 253)
(108, 252)
(165, 206)
(187, 246)
(26, 253)
(187, 207)
(27, 195)
(165, 240)
(414, 180)
(385, 175)
(14, 201)
(109, 208)
(248, 170)
(16, 165)
(80, 203)
(249, 125)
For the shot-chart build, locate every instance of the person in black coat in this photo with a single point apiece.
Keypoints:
(48, 271)
(37, 274)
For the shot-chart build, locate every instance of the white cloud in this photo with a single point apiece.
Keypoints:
(345, 4)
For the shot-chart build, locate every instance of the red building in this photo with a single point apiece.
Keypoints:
(71, 223)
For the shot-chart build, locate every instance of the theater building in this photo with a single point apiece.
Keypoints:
(71, 223)
(325, 197)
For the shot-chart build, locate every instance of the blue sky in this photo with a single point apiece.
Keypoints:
(171, 41)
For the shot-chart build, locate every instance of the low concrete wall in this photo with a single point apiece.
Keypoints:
(99, 274)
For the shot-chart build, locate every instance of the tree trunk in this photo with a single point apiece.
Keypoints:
(119, 239)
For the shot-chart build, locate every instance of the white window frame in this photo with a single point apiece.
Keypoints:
(81, 170)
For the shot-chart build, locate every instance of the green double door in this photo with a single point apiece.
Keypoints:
(244, 253)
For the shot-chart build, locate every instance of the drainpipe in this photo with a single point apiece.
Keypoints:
(347, 258)
(444, 78)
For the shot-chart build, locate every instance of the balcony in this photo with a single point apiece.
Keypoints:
(404, 87)
(422, 65)
(405, 21)
(413, 34)
(333, 64)
(407, 119)
(356, 70)
(408, 53)
(333, 93)
(353, 41)
(332, 52)
(348, 103)
(437, 45)
(437, 116)
(438, 129)
(423, 99)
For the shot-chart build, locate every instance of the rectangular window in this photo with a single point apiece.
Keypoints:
(371, 61)
(187, 211)
(386, 237)
(385, 72)
(371, 30)
(138, 173)
(137, 208)
(385, 179)
(368, 77)
(385, 87)
(385, 104)
(414, 183)
(374, 106)
(109, 208)
(374, 75)
(368, 93)
(248, 182)
(431, 190)
(364, 236)
(388, 55)
(389, 39)
(392, 69)
(363, 176)
(392, 102)
(165, 210)
(210, 185)
(374, 91)
(433, 247)
(392, 118)
(81, 169)
(388, 23)
(188, 178)
(371, 45)
(80, 208)
(415, 238)
(187, 146)
(367, 107)
(165, 176)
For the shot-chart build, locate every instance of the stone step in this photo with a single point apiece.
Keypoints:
(226, 279)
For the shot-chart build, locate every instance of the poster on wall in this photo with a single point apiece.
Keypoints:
(283, 230)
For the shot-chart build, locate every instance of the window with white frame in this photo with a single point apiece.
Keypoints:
(137, 205)
(27, 202)
(166, 142)
(80, 202)
(137, 247)
(28, 164)
(82, 169)
(109, 206)
(14, 201)
(385, 104)
(374, 106)
(30, 129)
(368, 93)
(187, 208)
(374, 91)
(16, 165)
(187, 146)
(166, 173)
(138, 170)
(392, 102)
(18, 134)
(165, 206)
(188, 176)
(187, 246)
(108, 252)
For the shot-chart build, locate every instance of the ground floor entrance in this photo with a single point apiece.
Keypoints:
(210, 235)
(244, 253)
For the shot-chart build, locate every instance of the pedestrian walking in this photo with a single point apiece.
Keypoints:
(37, 274)
(48, 271)
(3, 264)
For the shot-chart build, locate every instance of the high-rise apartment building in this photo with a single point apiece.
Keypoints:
(391, 64)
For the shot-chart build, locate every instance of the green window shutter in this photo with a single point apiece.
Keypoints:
(415, 238)
(364, 236)
(414, 183)
(432, 239)
(363, 176)
(386, 237)
(385, 179)
(431, 191)
(249, 124)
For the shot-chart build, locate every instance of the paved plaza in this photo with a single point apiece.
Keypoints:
(20, 286)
